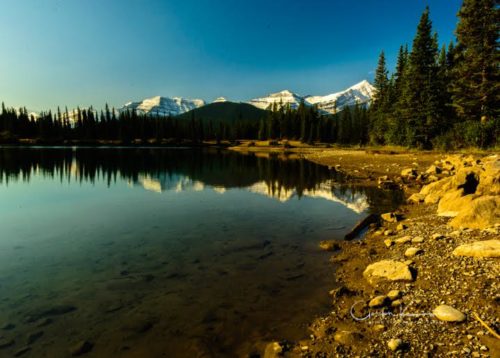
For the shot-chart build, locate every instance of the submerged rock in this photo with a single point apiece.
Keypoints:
(329, 245)
(347, 337)
(272, 350)
(33, 337)
(5, 342)
(81, 348)
(387, 270)
(489, 248)
(52, 311)
(448, 314)
(22, 351)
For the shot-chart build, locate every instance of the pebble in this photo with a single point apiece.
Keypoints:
(388, 232)
(403, 240)
(395, 344)
(448, 314)
(8, 326)
(396, 303)
(378, 301)
(417, 240)
(388, 242)
(394, 295)
(437, 237)
(413, 251)
(401, 227)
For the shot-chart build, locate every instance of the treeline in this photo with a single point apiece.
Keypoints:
(445, 98)
(89, 125)
(307, 124)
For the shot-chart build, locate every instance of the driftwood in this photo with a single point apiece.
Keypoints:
(361, 225)
(495, 334)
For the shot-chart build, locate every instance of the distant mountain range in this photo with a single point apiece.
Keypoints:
(361, 93)
(164, 106)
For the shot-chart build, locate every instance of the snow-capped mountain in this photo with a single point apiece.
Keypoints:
(164, 106)
(281, 98)
(361, 93)
(220, 100)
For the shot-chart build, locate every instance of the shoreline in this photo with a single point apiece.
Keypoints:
(397, 317)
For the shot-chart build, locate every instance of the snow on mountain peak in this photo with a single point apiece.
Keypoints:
(164, 106)
(220, 100)
(284, 98)
(361, 93)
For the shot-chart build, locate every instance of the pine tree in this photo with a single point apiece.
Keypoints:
(476, 86)
(379, 107)
(419, 102)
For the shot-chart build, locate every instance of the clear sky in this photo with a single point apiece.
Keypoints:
(83, 52)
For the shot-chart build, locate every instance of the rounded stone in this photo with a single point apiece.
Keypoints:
(412, 252)
(394, 294)
(395, 344)
(378, 301)
(448, 314)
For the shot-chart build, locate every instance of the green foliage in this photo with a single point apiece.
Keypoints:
(476, 87)
(430, 91)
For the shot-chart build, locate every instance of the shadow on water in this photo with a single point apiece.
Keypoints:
(166, 252)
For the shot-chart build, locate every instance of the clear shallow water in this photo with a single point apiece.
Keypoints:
(166, 252)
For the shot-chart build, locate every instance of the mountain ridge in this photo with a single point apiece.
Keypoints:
(361, 93)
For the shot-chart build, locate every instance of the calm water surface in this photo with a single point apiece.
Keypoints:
(166, 252)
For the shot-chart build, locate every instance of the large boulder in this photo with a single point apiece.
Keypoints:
(489, 248)
(453, 202)
(489, 181)
(481, 213)
(433, 192)
(387, 270)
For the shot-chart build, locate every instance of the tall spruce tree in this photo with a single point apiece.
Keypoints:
(476, 86)
(380, 102)
(420, 103)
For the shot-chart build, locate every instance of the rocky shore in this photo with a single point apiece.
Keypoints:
(424, 280)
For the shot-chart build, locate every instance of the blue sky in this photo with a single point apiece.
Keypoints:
(82, 52)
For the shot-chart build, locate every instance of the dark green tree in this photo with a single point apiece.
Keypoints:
(476, 85)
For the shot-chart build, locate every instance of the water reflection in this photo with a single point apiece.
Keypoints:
(163, 170)
(167, 252)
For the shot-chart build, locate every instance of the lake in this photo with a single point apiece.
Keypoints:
(147, 252)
